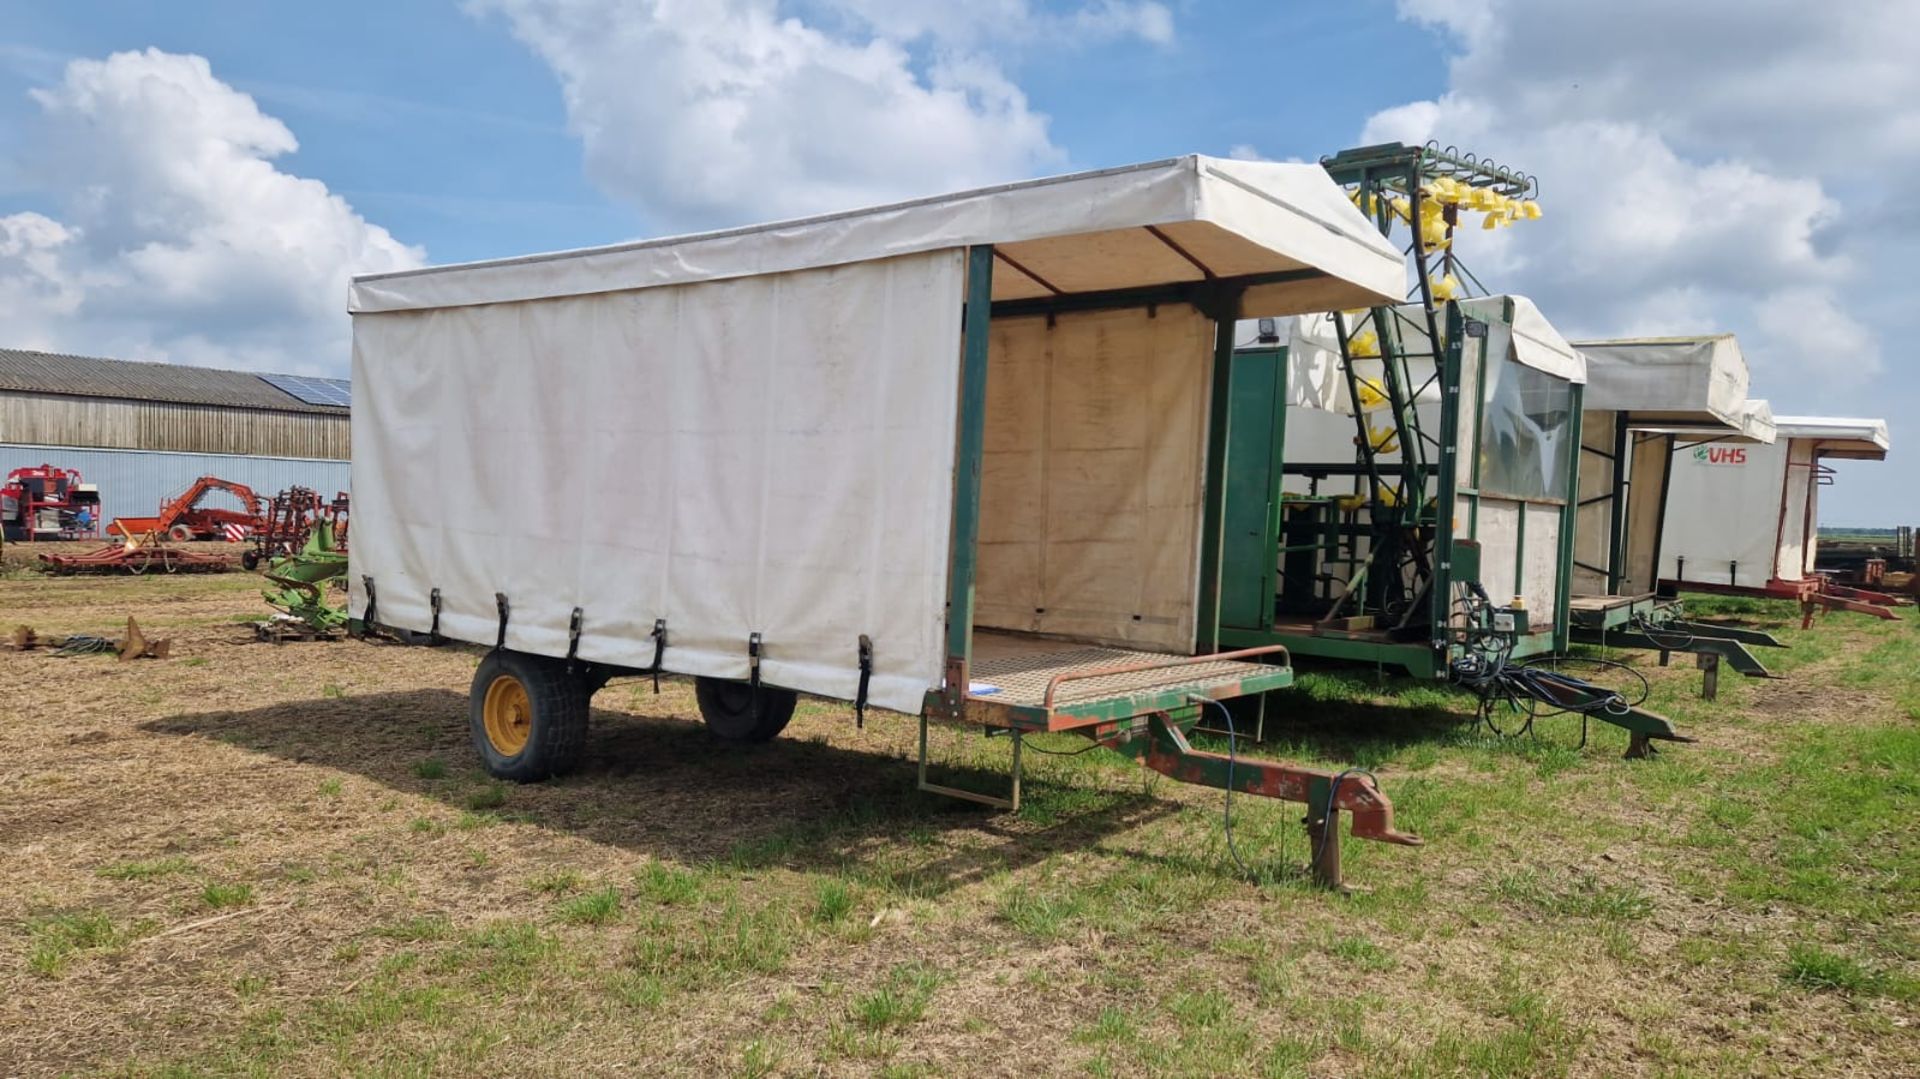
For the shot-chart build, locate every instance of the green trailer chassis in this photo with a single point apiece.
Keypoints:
(1660, 625)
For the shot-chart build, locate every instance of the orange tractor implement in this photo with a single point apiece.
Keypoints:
(183, 518)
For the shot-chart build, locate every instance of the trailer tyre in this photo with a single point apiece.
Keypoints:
(527, 717)
(180, 533)
(735, 712)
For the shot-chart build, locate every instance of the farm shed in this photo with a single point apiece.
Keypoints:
(144, 431)
(1647, 400)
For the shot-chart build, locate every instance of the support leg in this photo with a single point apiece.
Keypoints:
(1709, 664)
(1323, 840)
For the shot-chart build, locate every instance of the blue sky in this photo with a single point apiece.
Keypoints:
(157, 207)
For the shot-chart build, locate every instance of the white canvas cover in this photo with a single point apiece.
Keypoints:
(1837, 436)
(1669, 382)
(1178, 220)
(1314, 379)
(676, 453)
(753, 431)
(1743, 515)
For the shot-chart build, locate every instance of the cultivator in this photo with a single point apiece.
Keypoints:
(289, 518)
(138, 554)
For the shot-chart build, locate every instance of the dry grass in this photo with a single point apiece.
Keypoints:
(258, 859)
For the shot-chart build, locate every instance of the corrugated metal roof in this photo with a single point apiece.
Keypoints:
(86, 376)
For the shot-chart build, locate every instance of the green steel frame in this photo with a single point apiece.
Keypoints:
(1428, 654)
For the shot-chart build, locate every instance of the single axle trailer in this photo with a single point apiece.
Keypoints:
(1746, 523)
(963, 457)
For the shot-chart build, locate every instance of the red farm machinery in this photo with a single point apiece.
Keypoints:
(290, 518)
(44, 502)
(183, 517)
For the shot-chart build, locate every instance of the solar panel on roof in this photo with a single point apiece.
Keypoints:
(313, 391)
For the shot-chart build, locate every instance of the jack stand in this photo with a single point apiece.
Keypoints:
(1010, 804)
(1640, 747)
(1709, 665)
(1323, 839)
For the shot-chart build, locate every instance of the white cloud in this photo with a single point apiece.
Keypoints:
(730, 111)
(1701, 164)
(177, 236)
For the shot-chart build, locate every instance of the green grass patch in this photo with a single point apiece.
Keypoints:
(57, 939)
(145, 870)
(598, 907)
(899, 1001)
(217, 895)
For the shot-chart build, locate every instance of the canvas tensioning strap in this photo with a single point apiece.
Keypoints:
(500, 604)
(573, 636)
(866, 676)
(373, 602)
(659, 651)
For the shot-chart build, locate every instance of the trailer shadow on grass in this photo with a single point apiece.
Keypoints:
(665, 788)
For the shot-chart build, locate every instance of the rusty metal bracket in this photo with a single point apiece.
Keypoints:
(1160, 744)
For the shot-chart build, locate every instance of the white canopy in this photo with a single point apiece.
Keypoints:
(1688, 385)
(1835, 436)
(1184, 219)
(1313, 350)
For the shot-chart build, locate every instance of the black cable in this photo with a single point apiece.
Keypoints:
(1031, 748)
(1226, 811)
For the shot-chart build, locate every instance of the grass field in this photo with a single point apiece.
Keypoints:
(282, 860)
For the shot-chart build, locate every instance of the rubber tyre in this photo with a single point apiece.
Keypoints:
(250, 559)
(734, 713)
(180, 533)
(554, 720)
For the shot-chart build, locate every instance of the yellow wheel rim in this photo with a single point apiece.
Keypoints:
(509, 716)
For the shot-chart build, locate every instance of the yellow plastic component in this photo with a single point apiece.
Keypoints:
(1364, 344)
(1446, 288)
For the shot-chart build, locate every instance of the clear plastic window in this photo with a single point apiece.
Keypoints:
(1526, 445)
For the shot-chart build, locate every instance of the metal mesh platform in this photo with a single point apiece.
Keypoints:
(1016, 671)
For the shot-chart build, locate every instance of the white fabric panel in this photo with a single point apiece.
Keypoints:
(1314, 349)
(769, 454)
(1646, 504)
(1499, 537)
(1540, 562)
(1702, 378)
(1801, 513)
(1264, 216)
(1092, 479)
(1535, 342)
(1757, 423)
(1723, 514)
